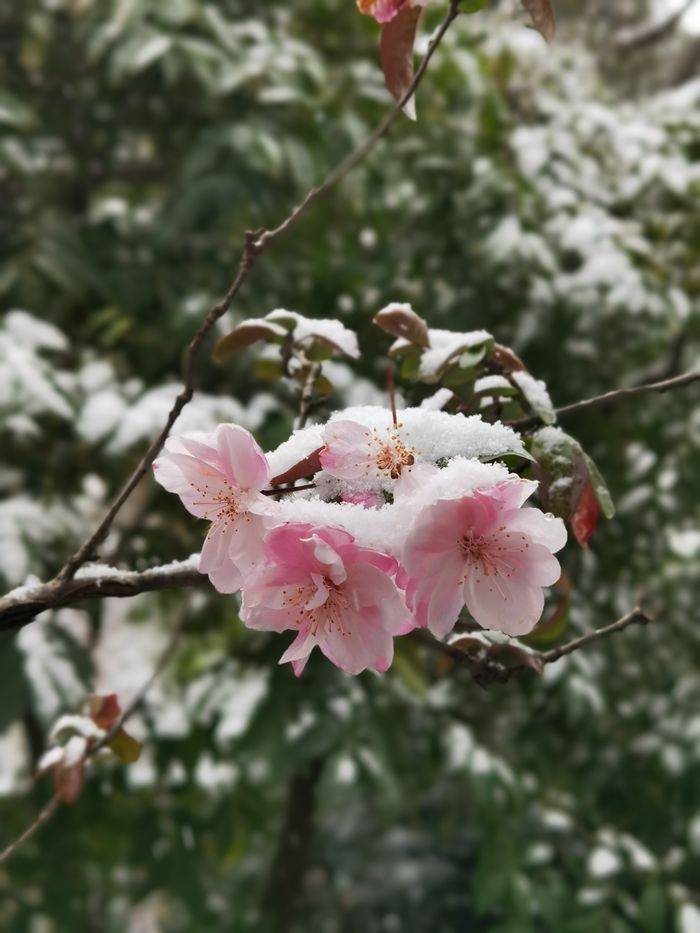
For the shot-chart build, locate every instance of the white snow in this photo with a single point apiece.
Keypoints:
(445, 346)
(329, 330)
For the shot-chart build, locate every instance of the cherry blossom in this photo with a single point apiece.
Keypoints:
(219, 476)
(336, 595)
(355, 452)
(486, 551)
(385, 10)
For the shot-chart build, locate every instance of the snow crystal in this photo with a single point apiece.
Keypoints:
(438, 400)
(327, 329)
(535, 392)
(386, 528)
(296, 448)
(603, 862)
(31, 332)
(435, 435)
(492, 384)
(446, 344)
(14, 761)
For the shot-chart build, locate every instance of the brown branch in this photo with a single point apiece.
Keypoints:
(636, 617)
(21, 606)
(612, 398)
(255, 244)
(628, 40)
(43, 816)
(486, 669)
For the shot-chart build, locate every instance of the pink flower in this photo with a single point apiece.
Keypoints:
(219, 476)
(367, 499)
(385, 10)
(485, 551)
(333, 593)
(354, 452)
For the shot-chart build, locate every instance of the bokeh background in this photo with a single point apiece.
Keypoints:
(550, 195)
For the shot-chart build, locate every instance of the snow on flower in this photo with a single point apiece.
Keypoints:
(334, 594)
(384, 11)
(365, 449)
(219, 476)
(484, 550)
(354, 452)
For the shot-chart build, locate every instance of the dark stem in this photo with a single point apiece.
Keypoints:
(285, 882)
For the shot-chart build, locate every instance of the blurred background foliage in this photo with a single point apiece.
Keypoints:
(548, 195)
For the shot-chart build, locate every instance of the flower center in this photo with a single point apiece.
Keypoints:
(393, 455)
(226, 502)
(493, 555)
(325, 617)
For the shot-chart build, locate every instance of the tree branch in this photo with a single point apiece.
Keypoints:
(256, 242)
(487, 669)
(636, 617)
(609, 399)
(20, 606)
(640, 37)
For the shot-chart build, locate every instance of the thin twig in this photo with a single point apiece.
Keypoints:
(636, 617)
(42, 817)
(486, 669)
(50, 808)
(255, 244)
(307, 396)
(608, 399)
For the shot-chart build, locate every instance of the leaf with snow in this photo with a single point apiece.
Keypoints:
(535, 393)
(396, 55)
(308, 331)
(401, 320)
(246, 334)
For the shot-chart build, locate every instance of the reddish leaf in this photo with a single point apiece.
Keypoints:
(505, 358)
(306, 467)
(396, 54)
(104, 710)
(513, 656)
(586, 515)
(401, 320)
(68, 780)
(246, 334)
(542, 16)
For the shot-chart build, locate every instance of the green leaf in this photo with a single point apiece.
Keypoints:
(125, 747)
(15, 113)
(600, 487)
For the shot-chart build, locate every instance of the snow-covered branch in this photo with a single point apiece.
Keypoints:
(20, 606)
(614, 397)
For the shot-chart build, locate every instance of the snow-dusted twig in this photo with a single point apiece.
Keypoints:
(608, 399)
(54, 802)
(20, 606)
(256, 242)
(42, 817)
(636, 617)
(487, 670)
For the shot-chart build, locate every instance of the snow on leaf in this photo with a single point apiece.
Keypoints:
(401, 320)
(246, 334)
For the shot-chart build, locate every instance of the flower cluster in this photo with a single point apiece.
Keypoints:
(409, 517)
